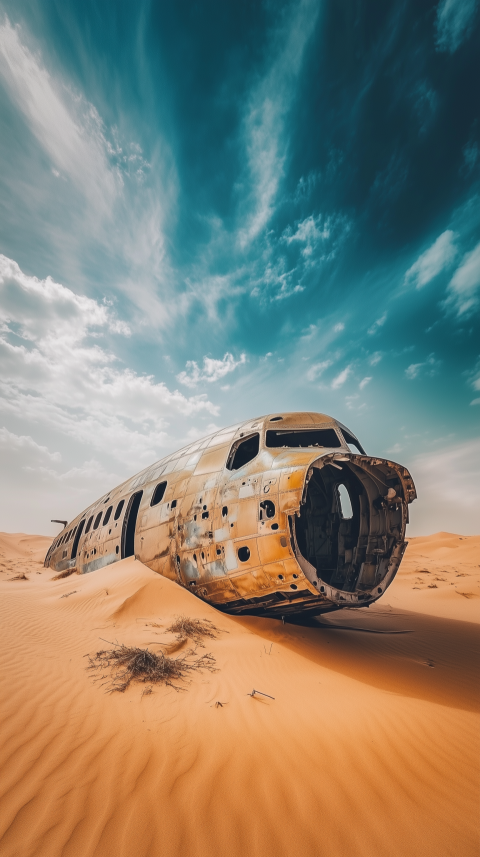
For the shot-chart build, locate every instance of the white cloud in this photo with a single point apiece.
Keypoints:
(212, 370)
(282, 281)
(412, 371)
(364, 382)
(377, 324)
(454, 23)
(432, 261)
(341, 378)
(49, 311)
(375, 358)
(317, 237)
(429, 367)
(57, 374)
(309, 232)
(101, 200)
(465, 283)
(317, 369)
(339, 327)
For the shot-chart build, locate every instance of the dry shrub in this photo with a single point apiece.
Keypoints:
(66, 573)
(119, 666)
(193, 629)
(19, 577)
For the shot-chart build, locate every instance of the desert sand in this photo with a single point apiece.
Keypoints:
(369, 747)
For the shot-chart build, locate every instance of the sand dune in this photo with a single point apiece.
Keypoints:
(440, 575)
(369, 747)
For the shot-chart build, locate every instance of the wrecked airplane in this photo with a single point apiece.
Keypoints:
(280, 515)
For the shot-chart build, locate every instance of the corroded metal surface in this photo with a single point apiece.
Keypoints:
(267, 535)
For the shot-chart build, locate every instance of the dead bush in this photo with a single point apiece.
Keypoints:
(193, 629)
(19, 577)
(118, 667)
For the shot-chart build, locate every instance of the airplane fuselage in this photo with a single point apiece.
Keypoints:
(274, 516)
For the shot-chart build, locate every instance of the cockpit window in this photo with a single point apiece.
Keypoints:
(352, 441)
(303, 438)
(243, 451)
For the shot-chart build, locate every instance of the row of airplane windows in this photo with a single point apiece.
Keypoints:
(241, 453)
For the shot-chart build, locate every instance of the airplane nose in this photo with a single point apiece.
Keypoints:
(349, 535)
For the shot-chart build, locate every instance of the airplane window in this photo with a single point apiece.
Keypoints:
(352, 441)
(87, 528)
(107, 515)
(97, 521)
(303, 439)
(158, 494)
(118, 511)
(243, 451)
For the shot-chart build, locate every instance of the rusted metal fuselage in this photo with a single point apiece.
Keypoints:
(274, 516)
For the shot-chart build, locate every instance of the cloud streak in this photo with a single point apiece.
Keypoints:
(77, 146)
(266, 138)
(454, 23)
(434, 260)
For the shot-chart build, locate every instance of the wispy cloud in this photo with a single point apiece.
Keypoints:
(340, 379)
(106, 198)
(364, 382)
(212, 370)
(72, 136)
(266, 137)
(375, 327)
(428, 367)
(453, 23)
(432, 261)
(318, 369)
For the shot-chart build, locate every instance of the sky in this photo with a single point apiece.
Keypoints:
(213, 211)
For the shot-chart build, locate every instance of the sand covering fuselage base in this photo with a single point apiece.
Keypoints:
(369, 747)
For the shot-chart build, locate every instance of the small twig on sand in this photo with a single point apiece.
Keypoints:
(261, 692)
(19, 577)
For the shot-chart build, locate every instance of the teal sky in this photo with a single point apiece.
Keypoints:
(211, 211)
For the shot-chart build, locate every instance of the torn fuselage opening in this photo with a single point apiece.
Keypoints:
(351, 521)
